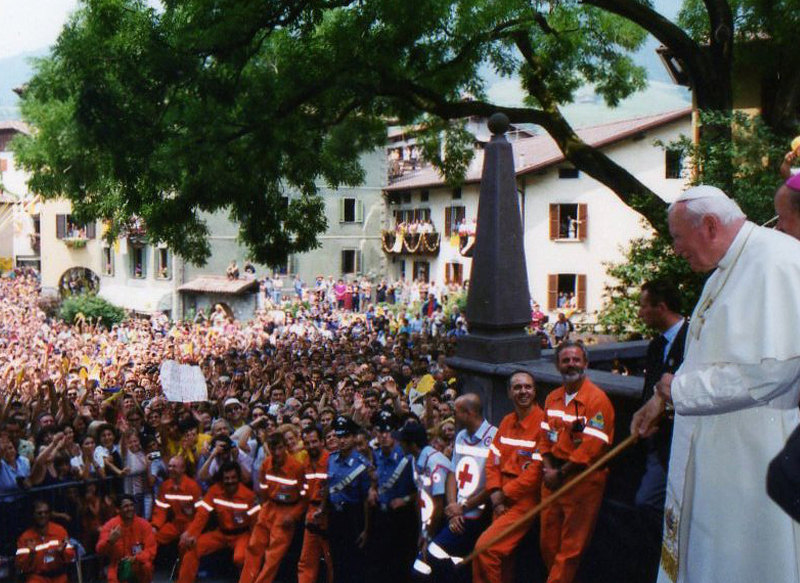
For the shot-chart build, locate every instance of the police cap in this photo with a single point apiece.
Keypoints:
(384, 420)
(343, 425)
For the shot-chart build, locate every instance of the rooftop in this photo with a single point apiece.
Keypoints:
(219, 284)
(538, 152)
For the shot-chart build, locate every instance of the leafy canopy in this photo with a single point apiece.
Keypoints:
(211, 105)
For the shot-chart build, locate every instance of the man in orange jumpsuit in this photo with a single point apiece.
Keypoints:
(579, 429)
(281, 485)
(177, 499)
(315, 543)
(43, 550)
(128, 541)
(235, 509)
(513, 478)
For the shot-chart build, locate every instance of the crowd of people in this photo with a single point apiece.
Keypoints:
(340, 433)
(323, 424)
(84, 420)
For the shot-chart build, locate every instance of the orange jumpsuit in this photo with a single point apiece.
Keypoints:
(282, 491)
(515, 467)
(137, 541)
(40, 556)
(177, 501)
(315, 543)
(567, 524)
(235, 515)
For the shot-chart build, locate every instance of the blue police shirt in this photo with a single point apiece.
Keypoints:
(348, 478)
(392, 486)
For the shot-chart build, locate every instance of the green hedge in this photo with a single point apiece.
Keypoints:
(92, 307)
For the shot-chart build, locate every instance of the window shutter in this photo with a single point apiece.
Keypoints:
(359, 211)
(343, 264)
(61, 226)
(3, 165)
(357, 262)
(552, 290)
(341, 210)
(458, 273)
(580, 291)
(448, 213)
(583, 221)
(554, 222)
(91, 230)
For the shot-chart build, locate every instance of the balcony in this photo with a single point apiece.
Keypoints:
(75, 242)
(136, 232)
(398, 242)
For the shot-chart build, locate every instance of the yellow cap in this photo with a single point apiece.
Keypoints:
(795, 143)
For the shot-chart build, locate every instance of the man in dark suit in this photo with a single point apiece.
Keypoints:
(783, 475)
(659, 309)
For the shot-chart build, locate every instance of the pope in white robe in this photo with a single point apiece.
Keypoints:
(735, 399)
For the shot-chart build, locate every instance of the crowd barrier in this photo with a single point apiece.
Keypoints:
(68, 498)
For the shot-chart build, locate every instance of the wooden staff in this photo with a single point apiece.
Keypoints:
(533, 512)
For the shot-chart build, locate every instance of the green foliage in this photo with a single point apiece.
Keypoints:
(645, 258)
(209, 105)
(459, 301)
(752, 157)
(752, 18)
(91, 307)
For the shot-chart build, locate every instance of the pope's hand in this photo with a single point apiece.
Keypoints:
(645, 420)
(664, 387)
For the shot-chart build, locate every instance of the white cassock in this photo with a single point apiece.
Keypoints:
(736, 402)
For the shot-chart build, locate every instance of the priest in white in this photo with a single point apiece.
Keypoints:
(735, 399)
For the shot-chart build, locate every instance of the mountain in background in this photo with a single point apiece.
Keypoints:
(588, 109)
(14, 72)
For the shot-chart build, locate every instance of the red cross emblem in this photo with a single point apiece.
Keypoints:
(467, 476)
(464, 476)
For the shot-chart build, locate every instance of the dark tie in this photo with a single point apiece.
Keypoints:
(659, 344)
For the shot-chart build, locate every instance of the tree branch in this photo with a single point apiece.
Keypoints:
(710, 78)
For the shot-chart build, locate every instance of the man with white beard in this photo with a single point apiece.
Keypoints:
(735, 399)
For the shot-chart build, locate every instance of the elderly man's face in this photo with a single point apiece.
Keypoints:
(692, 242)
(788, 214)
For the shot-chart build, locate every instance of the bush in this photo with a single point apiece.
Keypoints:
(91, 307)
(749, 162)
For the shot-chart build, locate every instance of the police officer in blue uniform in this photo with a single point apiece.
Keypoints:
(349, 482)
(392, 544)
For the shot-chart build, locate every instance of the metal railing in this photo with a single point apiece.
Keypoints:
(64, 498)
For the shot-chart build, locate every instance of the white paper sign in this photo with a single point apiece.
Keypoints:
(183, 383)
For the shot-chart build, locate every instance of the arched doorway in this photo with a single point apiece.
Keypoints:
(77, 281)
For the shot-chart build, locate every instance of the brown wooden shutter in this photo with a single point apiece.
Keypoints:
(580, 291)
(458, 273)
(3, 165)
(583, 222)
(448, 213)
(61, 226)
(448, 268)
(552, 290)
(554, 222)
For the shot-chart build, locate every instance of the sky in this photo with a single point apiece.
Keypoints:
(34, 25)
(29, 25)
